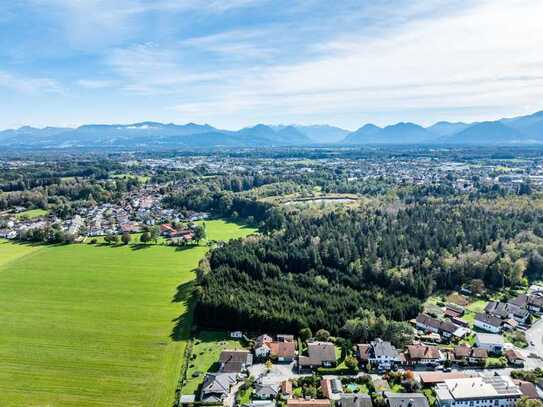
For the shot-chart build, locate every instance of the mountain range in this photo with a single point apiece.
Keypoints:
(520, 130)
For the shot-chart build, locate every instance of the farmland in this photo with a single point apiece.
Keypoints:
(91, 325)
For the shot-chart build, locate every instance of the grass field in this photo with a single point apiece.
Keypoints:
(31, 214)
(91, 325)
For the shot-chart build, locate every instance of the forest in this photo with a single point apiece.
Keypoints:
(319, 271)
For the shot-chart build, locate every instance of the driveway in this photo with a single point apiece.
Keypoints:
(230, 400)
(277, 374)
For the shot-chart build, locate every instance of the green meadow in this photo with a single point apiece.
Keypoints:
(93, 325)
(31, 214)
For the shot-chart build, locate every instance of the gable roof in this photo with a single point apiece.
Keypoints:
(322, 351)
(528, 389)
(354, 400)
(489, 339)
(488, 319)
(217, 384)
(504, 309)
(512, 355)
(283, 349)
(406, 399)
(266, 390)
(423, 352)
(230, 356)
(435, 323)
(383, 348)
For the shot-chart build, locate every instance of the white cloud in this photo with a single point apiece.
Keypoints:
(148, 68)
(96, 83)
(24, 84)
(486, 56)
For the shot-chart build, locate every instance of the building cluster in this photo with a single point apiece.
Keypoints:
(454, 389)
(132, 214)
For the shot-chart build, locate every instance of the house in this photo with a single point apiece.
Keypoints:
(491, 342)
(354, 400)
(8, 234)
(514, 357)
(326, 388)
(262, 348)
(533, 303)
(405, 399)
(379, 353)
(495, 391)
(308, 403)
(216, 387)
(266, 391)
(488, 323)
(319, 354)
(504, 310)
(283, 351)
(331, 388)
(464, 353)
(235, 361)
(167, 230)
(423, 354)
(454, 310)
(459, 322)
(444, 328)
(528, 389)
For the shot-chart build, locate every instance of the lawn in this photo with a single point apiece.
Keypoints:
(207, 346)
(477, 306)
(94, 325)
(31, 214)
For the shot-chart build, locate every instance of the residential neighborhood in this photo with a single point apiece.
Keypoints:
(456, 367)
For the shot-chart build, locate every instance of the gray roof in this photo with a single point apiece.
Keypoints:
(266, 390)
(216, 386)
(488, 319)
(503, 309)
(384, 348)
(354, 400)
(444, 326)
(406, 399)
(489, 339)
(319, 352)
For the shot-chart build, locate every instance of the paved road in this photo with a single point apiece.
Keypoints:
(535, 335)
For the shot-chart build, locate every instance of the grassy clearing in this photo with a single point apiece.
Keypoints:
(207, 346)
(219, 229)
(94, 325)
(31, 214)
(477, 306)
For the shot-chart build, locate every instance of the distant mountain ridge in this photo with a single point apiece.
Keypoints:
(514, 131)
(508, 131)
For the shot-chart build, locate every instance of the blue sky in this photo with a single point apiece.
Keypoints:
(240, 62)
